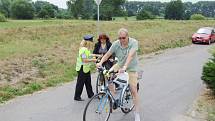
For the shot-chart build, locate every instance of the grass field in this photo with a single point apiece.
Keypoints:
(41, 53)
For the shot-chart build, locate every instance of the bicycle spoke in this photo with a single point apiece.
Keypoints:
(128, 103)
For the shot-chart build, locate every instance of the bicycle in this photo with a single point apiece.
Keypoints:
(102, 104)
(100, 81)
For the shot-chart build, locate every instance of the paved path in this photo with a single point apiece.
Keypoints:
(171, 84)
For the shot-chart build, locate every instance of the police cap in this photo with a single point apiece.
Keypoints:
(88, 37)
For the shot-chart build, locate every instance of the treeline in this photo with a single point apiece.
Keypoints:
(26, 9)
(87, 9)
(205, 8)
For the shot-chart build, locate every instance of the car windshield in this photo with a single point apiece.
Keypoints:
(204, 31)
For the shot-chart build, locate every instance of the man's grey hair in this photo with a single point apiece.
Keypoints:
(123, 30)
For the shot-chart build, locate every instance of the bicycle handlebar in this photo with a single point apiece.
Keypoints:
(110, 59)
(105, 71)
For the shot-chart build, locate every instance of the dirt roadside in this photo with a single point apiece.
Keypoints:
(201, 110)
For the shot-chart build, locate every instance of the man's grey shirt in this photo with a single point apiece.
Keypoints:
(122, 53)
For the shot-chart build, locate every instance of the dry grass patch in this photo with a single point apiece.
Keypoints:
(205, 107)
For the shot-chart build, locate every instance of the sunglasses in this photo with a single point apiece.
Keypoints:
(122, 38)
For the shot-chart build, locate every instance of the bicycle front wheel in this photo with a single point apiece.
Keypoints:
(100, 82)
(127, 101)
(98, 108)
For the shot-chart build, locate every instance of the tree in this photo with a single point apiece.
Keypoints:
(106, 10)
(76, 7)
(111, 8)
(5, 7)
(130, 13)
(206, 8)
(118, 7)
(45, 9)
(174, 10)
(187, 15)
(38, 6)
(63, 14)
(22, 9)
(152, 9)
(87, 8)
(134, 7)
(46, 12)
(43, 14)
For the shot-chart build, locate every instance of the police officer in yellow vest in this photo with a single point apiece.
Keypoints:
(84, 60)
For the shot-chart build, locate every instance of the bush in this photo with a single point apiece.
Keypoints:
(208, 74)
(197, 17)
(2, 18)
(103, 17)
(143, 15)
(63, 15)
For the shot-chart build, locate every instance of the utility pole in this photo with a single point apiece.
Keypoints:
(98, 2)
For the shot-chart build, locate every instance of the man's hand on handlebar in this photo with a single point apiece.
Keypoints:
(123, 69)
(100, 56)
(98, 65)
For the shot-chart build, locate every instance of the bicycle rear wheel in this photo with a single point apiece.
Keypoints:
(127, 101)
(98, 108)
(100, 82)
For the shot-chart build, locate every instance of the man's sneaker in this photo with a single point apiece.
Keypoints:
(138, 86)
(115, 105)
(137, 116)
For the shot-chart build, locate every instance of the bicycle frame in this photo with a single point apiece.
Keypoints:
(122, 84)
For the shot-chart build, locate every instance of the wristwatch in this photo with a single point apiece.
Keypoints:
(124, 67)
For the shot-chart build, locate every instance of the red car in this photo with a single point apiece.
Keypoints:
(204, 35)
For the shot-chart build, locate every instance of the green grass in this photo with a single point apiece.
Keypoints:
(132, 18)
(15, 48)
(8, 92)
(211, 114)
(46, 50)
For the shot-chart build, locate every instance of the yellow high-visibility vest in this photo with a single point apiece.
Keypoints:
(79, 62)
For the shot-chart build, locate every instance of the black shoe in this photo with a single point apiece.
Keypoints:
(78, 99)
(91, 96)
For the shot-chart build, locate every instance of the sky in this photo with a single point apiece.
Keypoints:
(62, 3)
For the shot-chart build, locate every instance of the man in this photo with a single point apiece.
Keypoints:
(125, 49)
